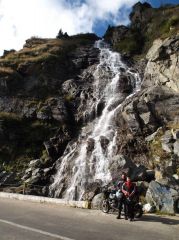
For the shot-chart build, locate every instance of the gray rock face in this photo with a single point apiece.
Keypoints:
(167, 140)
(150, 120)
(70, 87)
(176, 148)
(116, 34)
(146, 123)
(141, 13)
(162, 197)
(162, 67)
(90, 145)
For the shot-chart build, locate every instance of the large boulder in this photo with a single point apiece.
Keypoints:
(96, 202)
(162, 197)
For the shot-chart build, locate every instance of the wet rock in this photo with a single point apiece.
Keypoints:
(69, 87)
(36, 172)
(100, 107)
(104, 142)
(34, 163)
(125, 85)
(90, 145)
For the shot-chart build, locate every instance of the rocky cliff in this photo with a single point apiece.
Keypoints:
(55, 95)
(147, 24)
(40, 88)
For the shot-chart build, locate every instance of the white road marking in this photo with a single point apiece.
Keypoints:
(35, 230)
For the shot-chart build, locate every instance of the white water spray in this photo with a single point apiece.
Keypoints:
(77, 168)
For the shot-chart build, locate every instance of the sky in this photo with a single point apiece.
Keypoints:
(22, 19)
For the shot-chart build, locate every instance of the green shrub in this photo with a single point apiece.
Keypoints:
(173, 21)
(164, 27)
(127, 45)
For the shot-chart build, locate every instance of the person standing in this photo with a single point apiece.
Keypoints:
(121, 199)
(129, 190)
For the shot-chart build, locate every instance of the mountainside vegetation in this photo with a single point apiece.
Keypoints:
(30, 82)
(48, 94)
(147, 24)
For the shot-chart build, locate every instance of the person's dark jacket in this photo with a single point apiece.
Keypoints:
(129, 189)
(120, 184)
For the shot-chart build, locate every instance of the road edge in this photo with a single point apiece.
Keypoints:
(39, 199)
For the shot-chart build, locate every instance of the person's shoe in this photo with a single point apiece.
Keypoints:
(131, 219)
(118, 217)
(126, 218)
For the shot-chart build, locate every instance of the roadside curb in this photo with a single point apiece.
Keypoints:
(37, 199)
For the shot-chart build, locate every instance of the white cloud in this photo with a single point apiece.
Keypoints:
(22, 19)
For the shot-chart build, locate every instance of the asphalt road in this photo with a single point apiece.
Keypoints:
(21, 220)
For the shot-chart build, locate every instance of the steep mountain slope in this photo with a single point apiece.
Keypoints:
(37, 86)
(73, 115)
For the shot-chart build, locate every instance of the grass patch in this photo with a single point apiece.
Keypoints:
(127, 45)
(40, 50)
(162, 213)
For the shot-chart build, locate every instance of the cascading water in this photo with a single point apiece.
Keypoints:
(79, 167)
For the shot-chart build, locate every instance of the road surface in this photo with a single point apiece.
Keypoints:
(21, 220)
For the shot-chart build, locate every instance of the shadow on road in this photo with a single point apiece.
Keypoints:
(165, 220)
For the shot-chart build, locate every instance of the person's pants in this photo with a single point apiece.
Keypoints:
(129, 209)
(121, 202)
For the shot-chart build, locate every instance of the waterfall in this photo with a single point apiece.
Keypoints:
(77, 168)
